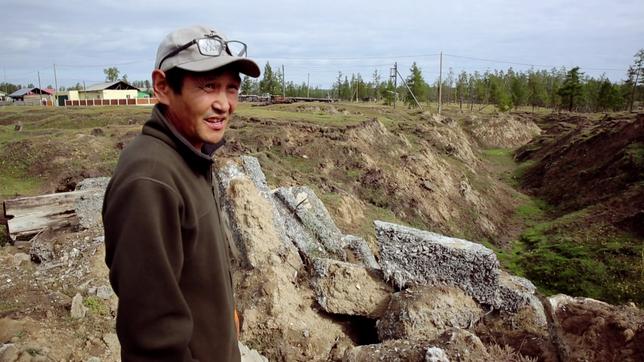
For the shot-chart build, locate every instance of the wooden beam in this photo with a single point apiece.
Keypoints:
(27, 216)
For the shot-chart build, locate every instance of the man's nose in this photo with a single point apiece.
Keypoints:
(220, 102)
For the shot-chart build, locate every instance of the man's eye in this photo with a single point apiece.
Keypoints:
(208, 87)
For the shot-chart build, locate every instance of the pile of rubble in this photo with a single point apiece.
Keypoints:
(306, 291)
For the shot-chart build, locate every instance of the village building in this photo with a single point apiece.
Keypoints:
(34, 96)
(110, 90)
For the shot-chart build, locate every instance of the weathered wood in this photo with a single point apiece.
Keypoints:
(26, 216)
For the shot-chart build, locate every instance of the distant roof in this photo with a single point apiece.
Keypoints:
(119, 84)
(26, 91)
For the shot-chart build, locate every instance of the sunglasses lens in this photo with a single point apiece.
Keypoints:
(210, 46)
(236, 48)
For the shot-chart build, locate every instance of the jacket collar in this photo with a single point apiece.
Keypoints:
(160, 127)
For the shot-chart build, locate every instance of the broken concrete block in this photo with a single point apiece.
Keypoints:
(250, 355)
(359, 249)
(311, 212)
(254, 171)
(424, 313)
(515, 292)
(351, 289)
(410, 256)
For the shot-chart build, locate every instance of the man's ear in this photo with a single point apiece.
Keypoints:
(161, 87)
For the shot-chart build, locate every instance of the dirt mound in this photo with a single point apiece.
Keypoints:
(578, 163)
(504, 130)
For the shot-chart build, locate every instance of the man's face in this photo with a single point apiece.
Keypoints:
(202, 111)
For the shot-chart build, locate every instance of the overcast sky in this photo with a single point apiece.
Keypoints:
(321, 38)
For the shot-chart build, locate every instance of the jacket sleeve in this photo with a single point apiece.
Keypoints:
(144, 252)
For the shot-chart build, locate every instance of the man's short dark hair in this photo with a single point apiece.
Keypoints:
(175, 77)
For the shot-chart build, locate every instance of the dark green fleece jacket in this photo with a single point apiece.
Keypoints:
(166, 250)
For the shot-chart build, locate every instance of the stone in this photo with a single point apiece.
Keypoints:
(424, 313)
(112, 342)
(358, 247)
(435, 354)
(591, 330)
(9, 328)
(20, 258)
(515, 292)
(410, 257)
(454, 345)
(78, 310)
(350, 289)
(89, 206)
(93, 359)
(250, 355)
(310, 211)
(104, 292)
(9, 352)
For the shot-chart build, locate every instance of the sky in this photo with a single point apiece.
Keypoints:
(314, 40)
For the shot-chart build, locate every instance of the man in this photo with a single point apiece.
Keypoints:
(165, 244)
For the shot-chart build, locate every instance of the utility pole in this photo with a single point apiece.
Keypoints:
(440, 85)
(6, 85)
(308, 84)
(409, 90)
(55, 85)
(39, 88)
(394, 74)
(283, 81)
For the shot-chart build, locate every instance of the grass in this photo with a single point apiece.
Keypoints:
(96, 306)
(567, 255)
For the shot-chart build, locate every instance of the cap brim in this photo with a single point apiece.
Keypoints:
(244, 65)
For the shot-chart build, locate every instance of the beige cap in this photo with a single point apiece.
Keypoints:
(191, 59)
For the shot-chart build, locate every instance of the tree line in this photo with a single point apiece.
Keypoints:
(509, 89)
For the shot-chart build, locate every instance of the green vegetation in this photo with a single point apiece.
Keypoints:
(562, 257)
(96, 306)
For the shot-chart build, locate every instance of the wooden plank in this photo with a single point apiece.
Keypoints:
(26, 216)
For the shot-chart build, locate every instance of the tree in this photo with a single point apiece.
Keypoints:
(461, 88)
(416, 84)
(111, 74)
(124, 78)
(536, 90)
(571, 87)
(268, 82)
(246, 86)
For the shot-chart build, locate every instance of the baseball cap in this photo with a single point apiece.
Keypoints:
(192, 59)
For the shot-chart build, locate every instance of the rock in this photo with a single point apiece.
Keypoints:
(78, 310)
(113, 344)
(93, 359)
(104, 292)
(415, 257)
(344, 288)
(20, 258)
(93, 183)
(88, 207)
(9, 352)
(515, 292)
(591, 330)
(359, 249)
(97, 132)
(453, 345)
(42, 248)
(393, 350)
(9, 328)
(250, 355)
(435, 354)
(310, 210)
(424, 313)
